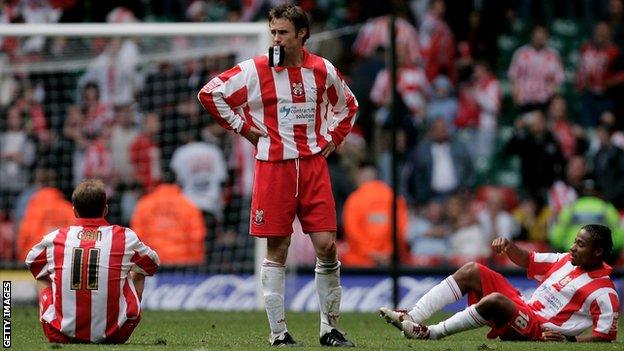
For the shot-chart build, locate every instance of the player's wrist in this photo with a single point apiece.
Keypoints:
(245, 129)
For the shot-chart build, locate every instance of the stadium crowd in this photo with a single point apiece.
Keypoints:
(481, 84)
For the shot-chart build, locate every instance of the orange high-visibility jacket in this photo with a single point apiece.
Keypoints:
(367, 217)
(46, 211)
(169, 223)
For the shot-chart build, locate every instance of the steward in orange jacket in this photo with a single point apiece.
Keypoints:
(46, 211)
(169, 223)
(367, 218)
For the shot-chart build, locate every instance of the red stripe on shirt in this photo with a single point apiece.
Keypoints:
(59, 257)
(578, 299)
(132, 305)
(83, 296)
(145, 262)
(237, 98)
(300, 131)
(118, 247)
(269, 102)
(40, 261)
(320, 78)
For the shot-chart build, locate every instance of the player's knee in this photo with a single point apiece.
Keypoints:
(326, 251)
(468, 272)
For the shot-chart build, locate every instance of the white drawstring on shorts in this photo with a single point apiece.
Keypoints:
(297, 168)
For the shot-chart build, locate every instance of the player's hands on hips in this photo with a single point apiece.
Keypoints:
(551, 335)
(254, 134)
(500, 245)
(329, 148)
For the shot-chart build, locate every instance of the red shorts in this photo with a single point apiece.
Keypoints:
(524, 325)
(283, 189)
(55, 336)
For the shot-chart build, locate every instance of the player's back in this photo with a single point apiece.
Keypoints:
(89, 265)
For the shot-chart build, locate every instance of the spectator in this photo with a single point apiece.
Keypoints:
(587, 209)
(437, 43)
(565, 192)
(597, 56)
(171, 225)
(114, 71)
(439, 167)
(541, 161)
(442, 102)
(17, 154)
(428, 232)
(533, 216)
(571, 137)
(123, 133)
(535, 73)
(29, 106)
(97, 114)
(47, 210)
(609, 168)
(486, 91)
(495, 220)
(145, 154)
(469, 241)
(367, 218)
(98, 160)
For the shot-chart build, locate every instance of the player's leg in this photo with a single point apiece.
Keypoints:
(451, 289)
(272, 214)
(495, 308)
(273, 277)
(327, 279)
(316, 211)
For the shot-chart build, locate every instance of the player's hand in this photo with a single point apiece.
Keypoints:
(551, 335)
(500, 245)
(329, 148)
(254, 134)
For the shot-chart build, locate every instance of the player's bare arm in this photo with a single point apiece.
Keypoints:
(552, 335)
(139, 282)
(516, 255)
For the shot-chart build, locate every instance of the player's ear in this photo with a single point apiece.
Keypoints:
(302, 32)
(105, 211)
(598, 251)
(75, 212)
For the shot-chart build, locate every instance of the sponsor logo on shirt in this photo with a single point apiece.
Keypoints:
(297, 113)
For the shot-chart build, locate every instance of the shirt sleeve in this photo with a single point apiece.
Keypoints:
(541, 263)
(604, 313)
(344, 106)
(223, 95)
(37, 258)
(145, 260)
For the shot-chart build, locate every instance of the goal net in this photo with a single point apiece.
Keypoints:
(119, 102)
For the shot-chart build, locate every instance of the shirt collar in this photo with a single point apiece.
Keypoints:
(307, 61)
(91, 222)
(603, 271)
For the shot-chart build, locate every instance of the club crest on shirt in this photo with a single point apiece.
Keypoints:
(297, 89)
(258, 217)
(562, 282)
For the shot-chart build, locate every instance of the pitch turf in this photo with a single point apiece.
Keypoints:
(202, 330)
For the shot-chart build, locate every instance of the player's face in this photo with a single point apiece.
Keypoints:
(582, 250)
(283, 33)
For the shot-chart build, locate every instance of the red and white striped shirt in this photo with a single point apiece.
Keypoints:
(412, 84)
(302, 108)
(89, 267)
(536, 73)
(570, 299)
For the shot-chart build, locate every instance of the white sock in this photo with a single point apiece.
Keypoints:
(273, 286)
(460, 321)
(439, 296)
(327, 278)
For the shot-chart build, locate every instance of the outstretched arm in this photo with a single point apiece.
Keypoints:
(515, 254)
(551, 335)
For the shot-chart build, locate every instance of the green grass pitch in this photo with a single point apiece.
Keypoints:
(210, 330)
